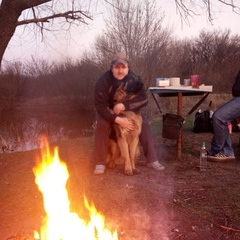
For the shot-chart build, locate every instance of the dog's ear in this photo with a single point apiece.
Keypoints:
(120, 94)
(121, 86)
(134, 87)
(126, 86)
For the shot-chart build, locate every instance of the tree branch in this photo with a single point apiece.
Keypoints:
(32, 3)
(23, 4)
(186, 11)
(69, 15)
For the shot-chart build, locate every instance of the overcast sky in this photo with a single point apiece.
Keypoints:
(21, 48)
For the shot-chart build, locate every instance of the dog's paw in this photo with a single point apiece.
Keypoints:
(136, 171)
(111, 164)
(128, 172)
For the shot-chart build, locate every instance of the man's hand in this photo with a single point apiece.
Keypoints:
(125, 123)
(118, 108)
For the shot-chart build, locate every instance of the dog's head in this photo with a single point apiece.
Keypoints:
(128, 90)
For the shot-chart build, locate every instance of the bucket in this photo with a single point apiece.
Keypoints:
(172, 125)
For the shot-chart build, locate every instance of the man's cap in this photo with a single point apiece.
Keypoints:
(119, 57)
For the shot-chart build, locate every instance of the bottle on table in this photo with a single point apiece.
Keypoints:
(203, 158)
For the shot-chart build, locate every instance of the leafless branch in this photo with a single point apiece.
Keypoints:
(69, 15)
(186, 11)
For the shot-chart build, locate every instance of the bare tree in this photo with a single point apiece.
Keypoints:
(42, 13)
(135, 28)
(11, 86)
(216, 56)
(191, 8)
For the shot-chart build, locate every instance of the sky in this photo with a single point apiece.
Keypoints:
(23, 48)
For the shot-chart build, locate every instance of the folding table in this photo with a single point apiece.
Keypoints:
(179, 92)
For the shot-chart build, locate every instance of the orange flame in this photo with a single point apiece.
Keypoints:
(51, 175)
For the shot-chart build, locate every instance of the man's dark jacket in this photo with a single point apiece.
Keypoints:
(105, 88)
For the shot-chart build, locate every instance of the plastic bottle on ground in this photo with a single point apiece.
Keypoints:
(203, 158)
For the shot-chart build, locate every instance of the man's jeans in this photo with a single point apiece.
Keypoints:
(221, 141)
(102, 136)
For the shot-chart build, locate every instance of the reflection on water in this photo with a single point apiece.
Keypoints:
(22, 129)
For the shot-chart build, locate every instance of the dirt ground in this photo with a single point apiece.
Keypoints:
(178, 203)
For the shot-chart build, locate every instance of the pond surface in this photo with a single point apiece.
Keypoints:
(22, 129)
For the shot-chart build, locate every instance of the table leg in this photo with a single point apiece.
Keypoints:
(179, 112)
(159, 108)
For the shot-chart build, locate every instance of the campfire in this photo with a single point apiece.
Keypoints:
(51, 175)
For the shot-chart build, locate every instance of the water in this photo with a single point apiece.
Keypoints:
(21, 129)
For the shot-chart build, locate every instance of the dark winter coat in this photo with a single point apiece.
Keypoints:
(236, 86)
(105, 88)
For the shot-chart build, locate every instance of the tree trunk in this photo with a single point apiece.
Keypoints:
(10, 11)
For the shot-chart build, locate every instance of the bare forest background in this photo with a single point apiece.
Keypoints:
(153, 51)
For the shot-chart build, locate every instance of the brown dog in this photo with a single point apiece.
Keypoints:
(126, 147)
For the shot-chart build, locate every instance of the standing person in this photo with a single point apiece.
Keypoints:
(221, 144)
(107, 113)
